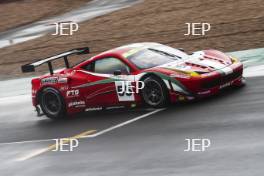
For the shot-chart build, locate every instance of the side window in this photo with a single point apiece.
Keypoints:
(89, 67)
(109, 65)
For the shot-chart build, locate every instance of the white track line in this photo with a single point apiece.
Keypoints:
(33, 141)
(43, 150)
(33, 154)
(122, 124)
(92, 135)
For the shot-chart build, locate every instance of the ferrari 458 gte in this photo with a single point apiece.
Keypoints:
(141, 73)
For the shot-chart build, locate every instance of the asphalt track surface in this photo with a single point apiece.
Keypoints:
(151, 145)
(147, 142)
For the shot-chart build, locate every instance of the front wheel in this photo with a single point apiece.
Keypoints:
(155, 92)
(52, 104)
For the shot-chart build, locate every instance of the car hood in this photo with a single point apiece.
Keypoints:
(200, 62)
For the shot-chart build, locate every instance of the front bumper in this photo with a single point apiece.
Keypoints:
(211, 83)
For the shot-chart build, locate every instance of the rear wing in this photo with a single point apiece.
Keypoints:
(31, 67)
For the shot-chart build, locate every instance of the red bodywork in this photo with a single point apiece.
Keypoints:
(83, 90)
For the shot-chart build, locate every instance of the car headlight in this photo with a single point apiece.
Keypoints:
(234, 59)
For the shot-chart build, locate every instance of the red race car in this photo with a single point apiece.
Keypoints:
(130, 75)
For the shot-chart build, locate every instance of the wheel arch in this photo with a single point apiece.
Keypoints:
(59, 113)
(39, 92)
(161, 80)
(153, 75)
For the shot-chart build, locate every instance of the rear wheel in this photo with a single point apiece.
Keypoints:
(155, 92)
(52, 104)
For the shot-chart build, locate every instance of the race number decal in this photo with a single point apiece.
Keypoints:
(124, 91)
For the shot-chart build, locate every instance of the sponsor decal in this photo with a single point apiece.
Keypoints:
(94, 109)
(226, 85)
(62, 80)
(125, 89)
(190, 98)
(63, 88)
(204, 92)
(73, 93)
(76, 104)
(50, 80)
(115, 107)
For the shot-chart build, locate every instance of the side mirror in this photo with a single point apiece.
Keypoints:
(117, 72)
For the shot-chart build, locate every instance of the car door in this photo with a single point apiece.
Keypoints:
(107, 77)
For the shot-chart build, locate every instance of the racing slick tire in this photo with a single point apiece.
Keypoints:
(155, 92)
(52, 103)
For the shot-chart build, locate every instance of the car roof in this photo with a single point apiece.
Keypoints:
(123, 50)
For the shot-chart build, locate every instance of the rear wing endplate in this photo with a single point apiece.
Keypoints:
(31, 67)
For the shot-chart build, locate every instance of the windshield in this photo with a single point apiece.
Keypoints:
(148, 58)
(171, 51)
